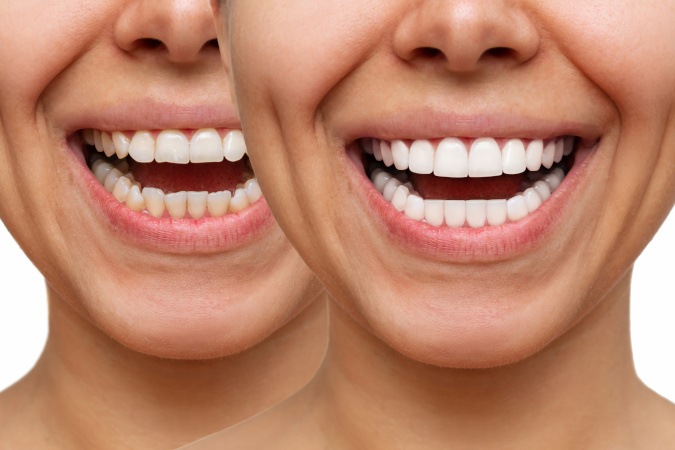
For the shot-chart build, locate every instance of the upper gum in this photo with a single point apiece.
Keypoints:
(156, 132)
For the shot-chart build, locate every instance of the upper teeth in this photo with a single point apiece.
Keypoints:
(173, 146)
(484, 158)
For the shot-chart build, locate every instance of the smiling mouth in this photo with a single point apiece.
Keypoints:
(469, 183)
(179, 174)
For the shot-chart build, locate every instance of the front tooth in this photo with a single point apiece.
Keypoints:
(387, 157)
(239, 201)
(476, 213)
(196, 204)
(485, 159)
(121, 143)
(549, 155)
(154, 201)
(516, 208)
(532, 199)
(390, 189)
(559, 150)
(534, 155)
(142, 147)
(380, 179)
(101, 170)
(234, 146)
(172, 147)
(108, 146)
(88, 136)
(252, 190)
(176, 204)
(543, 189)
(455, 213)
(514, 160)
(452, 159)
(218, 202)
(377, 150)
(569, 146)
(433, 212)
(98, 143)
(206, 146)
(400, 198)
(111, 179)
(121, 189)
(414, 207)
(135, 200)
(401, 155)
(422, 155)
(496, 212)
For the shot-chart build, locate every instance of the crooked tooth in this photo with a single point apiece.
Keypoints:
(380, 178)
(239, 201)
(390, 189)
(569, 145)
(98, 143)
(452, 159)
(455, 213)
(135, 200)
(377, 150)
(400, 154)
(514, 160)
(547, 158)
(234, 146)
(173, 147)
(196, 204)
(387, 157)
(497, 213)
(121, 189)
(252, 190)
(88, 136)
(121, 143)
(154, 201)
(476, 213)
(101, 169)
(218, 202)
(414, 207)
(543, 189)
(111, 179)
(400, 198)
(516, 208)
(176, 204)
(485, 158)
(559, 150)
(206, 146)
(532, 199)
(142, 147)
(422, 156)
(534, 155)
(433, 212)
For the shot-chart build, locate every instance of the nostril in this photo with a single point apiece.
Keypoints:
(428, 52)
(213, 43)
(498, 52)
(149, 43)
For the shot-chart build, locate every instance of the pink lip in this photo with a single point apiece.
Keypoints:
(468, 245)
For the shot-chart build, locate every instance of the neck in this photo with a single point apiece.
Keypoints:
(557, 398)
(158, 403)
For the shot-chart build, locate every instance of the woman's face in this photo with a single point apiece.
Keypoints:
(170, 259)
(467, 178)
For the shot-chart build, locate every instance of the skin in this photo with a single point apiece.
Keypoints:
(434, 352)
(146, 348)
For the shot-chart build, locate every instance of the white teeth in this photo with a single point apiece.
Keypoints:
(380, 179)
(452, 159)
(400, 154)
(239, 201)
(176, 204)
(121, 189)
(414, 208)
(135, 200)
(476, 213)
(206, 146)
(485, 158)
(532, 199)
(455, 213)
(368, 146)
(252, 190)
(154, 201)
(98, 143)
(108, 146)
(569, 146)
(111, 179)
(513, 157)
(433, 212)
(422, 156)
(400, 198)
(172, 147)
(377, 150)
(121, 143)
(234, 146)
(516, 208)
(385, 151)
(543, 189)
(534, 155)
(101, 169)
(390, 189)
(559, 150)
(196, 204)
(88, 136)
(496, 212)
(142, 147)
(218, 203)
(549, 155)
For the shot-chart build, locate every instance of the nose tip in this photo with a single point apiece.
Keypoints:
(178, 30)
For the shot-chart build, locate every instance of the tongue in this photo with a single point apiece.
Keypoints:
(211, 177)
(433, 187)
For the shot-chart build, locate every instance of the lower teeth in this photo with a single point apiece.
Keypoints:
(120, 182)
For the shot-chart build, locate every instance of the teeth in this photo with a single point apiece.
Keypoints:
(387, 156)
(135, 200)
(196, 204)
(569, 146)
(422, 155)
(101, 169)
(532, 199)
(476, 213)
(513, 157)
(121, 189)
(239, 201)
(176, 204)
(377, 150)
(88, 136)
(534, 155)
(543, 189)
(415, 208)
(516, 208)
(121, 143)
(390, 189)
(98, 143)
(108, 146)
(485, 159)
(433, 212)
(400, 154)
(234, 146)
(154, 201)
(452, 159)
(548, 157)
(252, 190)
(142, 147)
(172, 147)
(380, 179)
(455, 213)
(206, 146)
(497, 213)
(400, 197)
(218, 202)
(111, 179)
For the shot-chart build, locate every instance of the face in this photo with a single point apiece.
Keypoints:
(124, 177)
(467, 179)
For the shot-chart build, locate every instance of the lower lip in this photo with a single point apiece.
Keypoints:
(176, 236)
(469, 245)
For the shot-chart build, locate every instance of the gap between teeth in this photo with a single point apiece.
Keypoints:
(172, 146)
(483, 158)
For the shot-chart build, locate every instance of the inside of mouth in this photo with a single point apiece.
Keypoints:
(177, 188)
(420, 180)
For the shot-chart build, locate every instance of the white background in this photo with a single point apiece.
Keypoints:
(23, 317)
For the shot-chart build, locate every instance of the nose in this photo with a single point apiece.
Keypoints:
(178, 30)
(465, 36)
